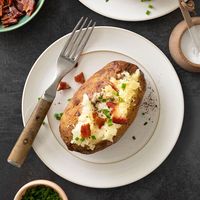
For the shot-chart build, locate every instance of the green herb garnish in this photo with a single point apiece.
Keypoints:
(77, 138)
(115, 93)
(93, 137)
(110, 122)
(101, 99)
(41, 193)
(150, 6)
(69, 99)
(58, 115)
(148, 12)
(82, 139)
(123, 86)
(106, 112)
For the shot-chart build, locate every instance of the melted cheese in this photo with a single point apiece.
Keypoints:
(124, 98)
(129, 93)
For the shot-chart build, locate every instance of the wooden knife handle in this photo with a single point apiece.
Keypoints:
(25, 140)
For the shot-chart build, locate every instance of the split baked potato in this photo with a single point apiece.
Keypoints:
(103, 108)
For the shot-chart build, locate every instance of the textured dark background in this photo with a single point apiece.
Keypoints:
(178, 178)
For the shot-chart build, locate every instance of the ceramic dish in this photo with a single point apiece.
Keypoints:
(148, 141)
(131, 10)
(35, 183)
(23, 20)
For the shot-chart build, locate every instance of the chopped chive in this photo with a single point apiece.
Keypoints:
(77, 138)
(150, 6)
(93, 137)
(110, 122)
(123, 86)
(106, 112)
(101, 99)
(82, 139)
(148, 12)
(58, 115)
(116, 93)
(40, 192)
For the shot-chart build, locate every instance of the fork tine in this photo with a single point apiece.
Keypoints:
(80, 50)
(77, 35)
(71, 37)
(76, 46)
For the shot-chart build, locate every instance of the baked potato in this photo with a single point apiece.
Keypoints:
(103, 108)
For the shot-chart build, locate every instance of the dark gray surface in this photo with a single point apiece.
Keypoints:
(177, 178)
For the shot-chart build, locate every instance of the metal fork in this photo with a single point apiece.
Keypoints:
(66, 62)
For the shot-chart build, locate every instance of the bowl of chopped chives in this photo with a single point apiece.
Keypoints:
(41, 190)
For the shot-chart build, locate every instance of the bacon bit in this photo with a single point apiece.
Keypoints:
(85, 131)
(113, 86)
(80, 78)
(1, 10)
(10, 2)
(98, 120)
(119, 120)
(112, 105)
(63, 86)
(29, 6)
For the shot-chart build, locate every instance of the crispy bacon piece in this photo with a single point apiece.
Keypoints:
(63, 86)
(1, 7)
(10, 2)
(80, 78)
(119, 120)
(116, 118)
(112, 106)
(27, 6)
(1, 10)
(10, 15)
(85, 131)
(99, 121)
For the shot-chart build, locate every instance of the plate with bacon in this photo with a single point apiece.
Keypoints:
(88, 137)
(16, 13)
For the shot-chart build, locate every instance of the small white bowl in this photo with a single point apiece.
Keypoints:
(35, 183)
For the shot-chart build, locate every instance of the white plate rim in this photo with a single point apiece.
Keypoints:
(129, 19)
(181, 103)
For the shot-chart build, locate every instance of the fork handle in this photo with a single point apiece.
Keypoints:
(26, 139)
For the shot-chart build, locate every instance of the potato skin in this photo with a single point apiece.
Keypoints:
(94, 84)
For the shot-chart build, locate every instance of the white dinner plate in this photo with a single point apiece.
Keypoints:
(131, 10)
(148, 141)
